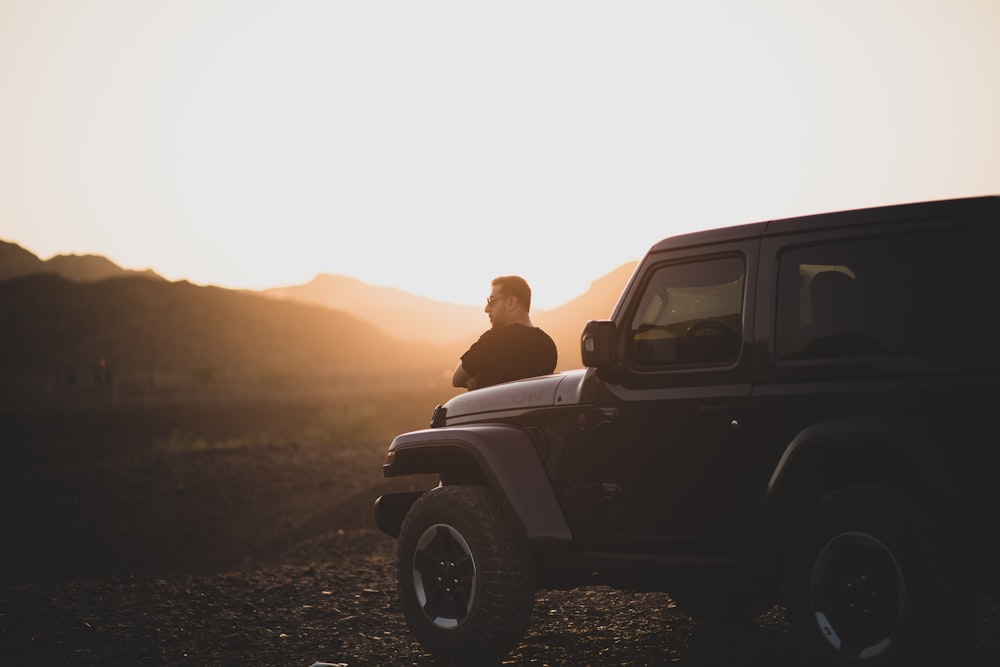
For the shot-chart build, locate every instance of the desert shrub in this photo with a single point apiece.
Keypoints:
(182, 441)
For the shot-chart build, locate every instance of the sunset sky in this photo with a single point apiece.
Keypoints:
(434, 145)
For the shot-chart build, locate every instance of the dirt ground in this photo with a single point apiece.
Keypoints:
(265, 554)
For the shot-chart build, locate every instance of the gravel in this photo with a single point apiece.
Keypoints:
(268, 556)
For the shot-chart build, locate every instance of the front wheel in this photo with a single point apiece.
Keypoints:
(866, 583)
(466, 578)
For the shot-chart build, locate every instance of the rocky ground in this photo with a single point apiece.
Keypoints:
(339, 609)
(265, 554)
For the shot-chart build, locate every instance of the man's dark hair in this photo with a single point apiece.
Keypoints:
(515, 286)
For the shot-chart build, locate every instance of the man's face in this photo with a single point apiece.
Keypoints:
(496, 307)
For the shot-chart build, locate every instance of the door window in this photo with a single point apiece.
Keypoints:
(882, 295)
(690, 313)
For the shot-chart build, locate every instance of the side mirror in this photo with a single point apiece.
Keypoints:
(597, 344)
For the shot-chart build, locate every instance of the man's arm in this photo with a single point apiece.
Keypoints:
(460, 378)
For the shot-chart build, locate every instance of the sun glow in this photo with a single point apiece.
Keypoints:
(433, 146)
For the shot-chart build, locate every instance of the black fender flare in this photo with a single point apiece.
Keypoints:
(883, 446)
(504, 457)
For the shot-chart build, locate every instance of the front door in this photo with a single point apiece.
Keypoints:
(676, 437)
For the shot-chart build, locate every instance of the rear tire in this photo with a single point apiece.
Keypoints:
(866, 583)
(466, 579)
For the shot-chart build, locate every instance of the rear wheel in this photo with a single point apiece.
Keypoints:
(866, 584)
(466, 580)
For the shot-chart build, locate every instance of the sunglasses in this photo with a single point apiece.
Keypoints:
(490, 300)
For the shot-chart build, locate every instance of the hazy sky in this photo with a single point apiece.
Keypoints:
(434, 145)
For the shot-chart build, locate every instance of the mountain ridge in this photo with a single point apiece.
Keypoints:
(390, 308)
(134, 339)
(71, 311)
(16, 261)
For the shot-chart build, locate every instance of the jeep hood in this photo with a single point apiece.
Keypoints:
(549, 390)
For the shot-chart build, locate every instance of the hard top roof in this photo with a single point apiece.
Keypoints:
(896, 212)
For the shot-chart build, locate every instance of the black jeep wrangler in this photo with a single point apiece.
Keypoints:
(793, 411)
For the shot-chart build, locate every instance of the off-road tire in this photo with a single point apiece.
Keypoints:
(867, 585)
(466, 578)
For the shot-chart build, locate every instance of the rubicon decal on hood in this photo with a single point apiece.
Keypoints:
(507, 400)
(512, 395)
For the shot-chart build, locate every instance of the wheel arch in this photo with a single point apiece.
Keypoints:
(501, 457)
(835, 454)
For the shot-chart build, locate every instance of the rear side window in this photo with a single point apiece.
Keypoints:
(690, 313)
(881, 295)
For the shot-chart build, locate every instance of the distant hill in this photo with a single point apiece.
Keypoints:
(15, 262)
(565, 323)
(72, 310)
(394, 311)
(57, 331)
